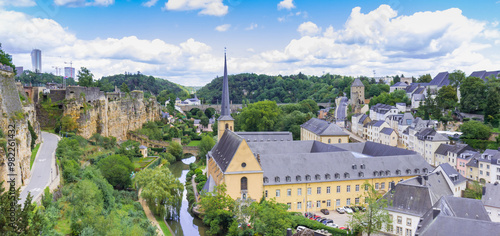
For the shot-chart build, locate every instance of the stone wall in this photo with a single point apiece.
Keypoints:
(14, 112)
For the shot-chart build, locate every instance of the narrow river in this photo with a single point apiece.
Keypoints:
(187, 224)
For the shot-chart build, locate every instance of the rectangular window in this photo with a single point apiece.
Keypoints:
(356, 200)
(481, 172)
(399, 230)
(266, 193)
(389, 228)
(348, 188)
(328, 189)
(299, 205)
(488, 167)
(318, 204)
(376, 186)
(309, 204)
(308, 191)
(487, 173)
(299, 191)
(408, 221)
(408, 232)
(400, 220)
(328, 203)
(289, 192)
(337, 202)
(366, 187)
(357, 187)
(277, 192)
(382, 185)
(289, 205)
(338, 189)
(348, 202)
(318, 190)
(481, 165)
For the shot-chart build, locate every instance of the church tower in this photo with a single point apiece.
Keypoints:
(225, 120)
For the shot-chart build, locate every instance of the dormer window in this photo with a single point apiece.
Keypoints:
(388, 172)
(346, 175)
(362, 166)
(375, 173)
(298, 178)
(408, 171)
(288, 179)
(277, 179)
(337, 176)
(266, 180)
(417, 171)
(308, 177)
(424, 170)
(317, 177)
(381, 173)
(361, 174)
(354, 167)
(328, 176)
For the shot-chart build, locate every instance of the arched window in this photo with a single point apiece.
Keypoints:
(277, 179)
(375, 173)
(308, 177)
(337, 176)
(340, 140)
(425, 170)
(244, 183)
(408, 171)
(266, 180)
(381, 173)
(346, 175)
(387, 172)
(398, 172)
(298, 178)
(328, 176)
(288, 179)
(329, 140)
(227, 126)
(361, 174)
(417, 171)
(317, 177)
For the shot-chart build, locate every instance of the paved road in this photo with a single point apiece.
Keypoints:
(43, 168)
(341, 110)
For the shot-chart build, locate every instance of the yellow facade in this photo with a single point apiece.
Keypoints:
(222, 125)
(351, 193)
(331, 139)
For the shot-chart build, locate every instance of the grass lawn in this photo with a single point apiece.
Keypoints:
(33, 154)
(495, 130)
(142, 162)
(163, 226)
(194, 143)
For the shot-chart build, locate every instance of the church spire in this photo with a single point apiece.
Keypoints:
(225, 108)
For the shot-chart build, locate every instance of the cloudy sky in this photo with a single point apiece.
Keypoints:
(183, 40)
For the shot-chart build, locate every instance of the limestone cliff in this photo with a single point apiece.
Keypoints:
(17, 110)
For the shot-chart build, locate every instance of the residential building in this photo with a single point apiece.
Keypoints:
(427, 142)
(401, 106)
(323, 131)
(417, 100)
(373, 129)
(381, 111)
(447, 153)
(489, 166)
(357, 123)
(458, 217)
(455, 180)
(440, 80)
(398, 86)
(473, 167)
(322, 113)
(192, 101)
(389, 137)
(417, 125)
(463, 159)
(393, 120)
(491, 200)
(36, 60)
(415, 88)
(403, 124)
(304, 172)
(485, 75)
(411, 199)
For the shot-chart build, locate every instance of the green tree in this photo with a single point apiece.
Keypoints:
(472, 95)
(260, 116)
(68, 124)
(424, 78)
(269, 217)
(16, 218)
(447, 97)
(456, 78)
(124, 88)
(162, 191)
(492, 109)
(474, 191)
(206, 144)
(217, 210)
(176, 150)
(204, 121)
(375, 216)
(475, 130)
(130, 149)
(116, 169)
(85, 78)
(6, 59)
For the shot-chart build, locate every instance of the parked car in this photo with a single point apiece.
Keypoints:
(354, 209)
(348, 209)
(300, 228)
(340, 210)
(325, 211)
(327, 221)
(362, 208)
(332, 225)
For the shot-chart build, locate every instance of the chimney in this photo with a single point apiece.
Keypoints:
(484, 191)
(435, 212)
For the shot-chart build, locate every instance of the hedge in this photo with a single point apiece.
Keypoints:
(314, 225)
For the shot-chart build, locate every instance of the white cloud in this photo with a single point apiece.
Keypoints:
(150, 3)
(18, 3)
(84, 3)
(308, 28)
(207, 7)
(286, 4)
(223, 28)
(252, 26)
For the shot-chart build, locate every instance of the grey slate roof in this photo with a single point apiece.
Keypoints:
(382, 108)
(453, 175)
(357, 83)
(443, 149)
(400, 84)
(266, 136)
(418, 97)
(322, 127)
(225, 113)
(416, 195)
(440, 80)
(457, 216)
(474, 161)
(430, 134)
(225, 149)
(491, 196)
(484, 75)
(407, 119)
(209, 185)
(387, 131)
(413, 86)
(378, 123)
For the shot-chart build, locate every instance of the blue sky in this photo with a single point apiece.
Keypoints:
(183, 40)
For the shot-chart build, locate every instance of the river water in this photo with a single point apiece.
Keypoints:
(187, 224)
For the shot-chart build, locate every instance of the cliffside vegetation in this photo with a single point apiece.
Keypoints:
(35, 79)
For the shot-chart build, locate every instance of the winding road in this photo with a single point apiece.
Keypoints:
(43, 170)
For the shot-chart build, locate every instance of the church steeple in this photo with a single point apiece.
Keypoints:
(225, 121)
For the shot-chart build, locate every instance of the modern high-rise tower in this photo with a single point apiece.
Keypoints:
(69, 72)
(36, 60)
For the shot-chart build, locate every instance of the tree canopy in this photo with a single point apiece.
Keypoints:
(85, 78)
(259, 116)
(375, 217)
(475, 130)
(117, 169)
(472, 95)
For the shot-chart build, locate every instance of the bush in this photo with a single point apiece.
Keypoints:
(198, 171)
(200, 178)
(200, 185)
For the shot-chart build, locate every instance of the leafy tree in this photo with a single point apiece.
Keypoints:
(398, 96)
(68, 124)
(204, 121)
(456, 78)
(375, 216)
(475, 130)
(6, 59)
(492, 109)
(260, 116)
(176, 150)
(162, 191)
(130, 149)
(474, 191)
(473, 95)
(16, 219)
(116, 169)
(217, 210)
(124, 88)
(269, 217)
(447, 97)
(206, 144)
(85, 78)
(424, 78)
(309, 105)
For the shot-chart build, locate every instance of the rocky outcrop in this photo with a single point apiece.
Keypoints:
(16, 111)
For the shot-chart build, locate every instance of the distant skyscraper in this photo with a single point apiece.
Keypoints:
(69, 72)
(20, 70)
(36, 60)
